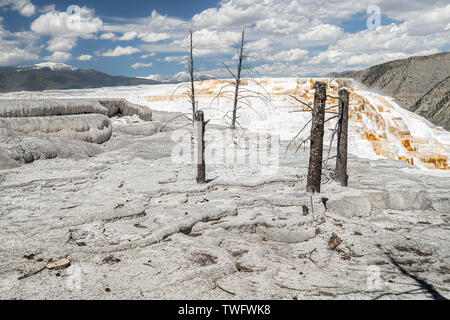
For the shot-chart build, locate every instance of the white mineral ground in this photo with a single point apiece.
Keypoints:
(135, 225)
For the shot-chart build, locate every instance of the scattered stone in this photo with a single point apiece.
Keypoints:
(30, 256)
(108, 290)
(59, 265)
(204, 259)
(119, 206)
(334, 242)
(305, 210)
(111, 260)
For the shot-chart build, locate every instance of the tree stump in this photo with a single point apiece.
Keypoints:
(317, 133)
(200, 135)
(341, 160)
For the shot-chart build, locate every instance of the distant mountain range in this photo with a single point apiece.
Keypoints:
(419, 84)
(178, 78)
(58, 76)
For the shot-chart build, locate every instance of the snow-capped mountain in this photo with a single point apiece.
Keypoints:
(178, 78)
(48, 65)
(58, 76)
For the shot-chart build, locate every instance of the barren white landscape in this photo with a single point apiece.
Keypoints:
(133, 223)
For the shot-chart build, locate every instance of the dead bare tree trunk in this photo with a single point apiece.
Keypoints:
(317, 133)
(191, 73)
(238, 82)
(341, 161)
(199, 125)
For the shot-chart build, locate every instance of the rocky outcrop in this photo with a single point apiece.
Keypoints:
(435, 104)
(17, 148)
(93, 128)
(67, 128)
(49, 107)
(123, 107)
(419, 84)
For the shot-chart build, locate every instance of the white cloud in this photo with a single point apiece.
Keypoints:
(24, 7)
(259, 45)
(128, 36)
(153, 37)
(179, 59)
(61, 44)
(320, 34)
(431, 21)
(289, 55)
(59, 57)
(84, 57)
(17, 47)
(10, 56)
(108, 36)
(120, 51)
(56, 23)
(146, 56)
(278, 25)
(141, 65)
(209, 42)
(231, 13)
(157, 21)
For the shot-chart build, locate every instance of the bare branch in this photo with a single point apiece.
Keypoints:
(331, 118)
(231, 72)
(179, 116)
(293, 139)
(305, 104)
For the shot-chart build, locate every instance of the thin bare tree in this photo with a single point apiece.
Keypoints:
(191, 74)
(238, 81)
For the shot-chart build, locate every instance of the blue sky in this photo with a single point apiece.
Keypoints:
(283, 37)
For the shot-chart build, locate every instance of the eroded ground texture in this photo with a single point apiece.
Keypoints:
(135, 225)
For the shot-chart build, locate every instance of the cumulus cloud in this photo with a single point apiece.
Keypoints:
(121, 51)
(141, 65)
(179, 59)
(108, 36)
(59, 57)
(24, 7)
(289, 55)
(61, 44)
(434, 20)
(85, 57)
(209, 42)
(82, 23)
(128, 36)
(153, 37)
(11, 56)
(17, 47)
(148, 55)
(320, 34)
